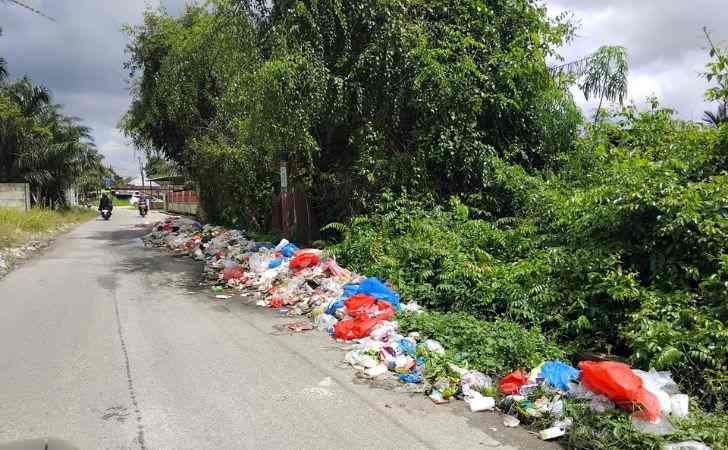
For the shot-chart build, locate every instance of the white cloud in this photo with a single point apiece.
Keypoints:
(664, 40)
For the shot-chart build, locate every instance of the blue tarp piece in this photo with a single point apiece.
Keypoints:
(558, 374)
(375, 288)
(275, 263)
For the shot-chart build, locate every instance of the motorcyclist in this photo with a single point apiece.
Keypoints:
(143, 203)
(105, 203)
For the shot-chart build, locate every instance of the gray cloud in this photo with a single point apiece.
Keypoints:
(80, 58)
(664, 39)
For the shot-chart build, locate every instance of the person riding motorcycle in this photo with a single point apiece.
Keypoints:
(143, 205)
(105, 203)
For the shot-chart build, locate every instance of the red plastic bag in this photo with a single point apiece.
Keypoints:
(303, 260)
(363, 305)
(276, 302)
(512, 382)
(618, 383)
(359, 304)
(232, 273)
(356, 328)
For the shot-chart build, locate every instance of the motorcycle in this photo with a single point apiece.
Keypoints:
(106, 214)
(143, 209)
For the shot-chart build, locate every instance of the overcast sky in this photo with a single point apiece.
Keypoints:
(80, 56)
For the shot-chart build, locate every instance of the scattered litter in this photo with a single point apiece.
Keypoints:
(510, 421)
(308, 284)
(686, 445)
(551, 433)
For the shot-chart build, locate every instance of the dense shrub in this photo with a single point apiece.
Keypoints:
(493, 347)
(627, 258)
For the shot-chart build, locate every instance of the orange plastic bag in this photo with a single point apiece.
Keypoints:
(512, 382)
(303, 260)
(356, 328)
(618, 383)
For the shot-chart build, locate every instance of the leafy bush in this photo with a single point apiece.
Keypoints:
(494, 347)
(627, 258)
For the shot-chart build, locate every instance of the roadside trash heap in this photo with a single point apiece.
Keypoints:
(350, 307)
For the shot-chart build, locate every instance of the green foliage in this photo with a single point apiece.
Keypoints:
(43, 146)
(614, 430)
(359, 98)
(627, 257)
(494, 347)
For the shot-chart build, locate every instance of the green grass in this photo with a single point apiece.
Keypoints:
(120, 201)
(18, 226)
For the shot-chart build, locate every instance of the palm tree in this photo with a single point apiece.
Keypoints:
(602, 74)
(3, 65)
(715, 119)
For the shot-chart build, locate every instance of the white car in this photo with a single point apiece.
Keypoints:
(134, 200)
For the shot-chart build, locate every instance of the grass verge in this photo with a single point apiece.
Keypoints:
(18, 226)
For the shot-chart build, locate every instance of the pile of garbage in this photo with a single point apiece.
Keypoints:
(348, 306)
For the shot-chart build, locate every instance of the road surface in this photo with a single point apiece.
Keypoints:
(107, 345)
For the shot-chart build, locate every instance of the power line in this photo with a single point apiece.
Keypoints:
(29, 8)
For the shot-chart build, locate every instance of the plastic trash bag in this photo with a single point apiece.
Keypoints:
(356, 328)
(653, 383)
(478, 402)
(686, 445)
(289, 250)
(411, 378)
(408, 347)
(232, 273)
(334, 306)
(679, 405)
(334, 269)
(474, 380)
(281, 244)
(275, 263)
(512, 382)
(558, 374)
(326, 322)
(303, 259)
(383, 331)
(433, 346)
(617, 382)
(360, 305)
(375, 288)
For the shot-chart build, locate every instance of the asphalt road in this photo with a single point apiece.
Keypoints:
(107, 345)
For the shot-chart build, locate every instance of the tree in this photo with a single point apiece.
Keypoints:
(42, 145)
(715, 119)
(603, 75)
(3, 65)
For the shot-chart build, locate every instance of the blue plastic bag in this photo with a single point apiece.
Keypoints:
(407, 347)
(289, 250)
(275, 263)
(558, 374)
(331, 309)
(412, 378)
(375, 288)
